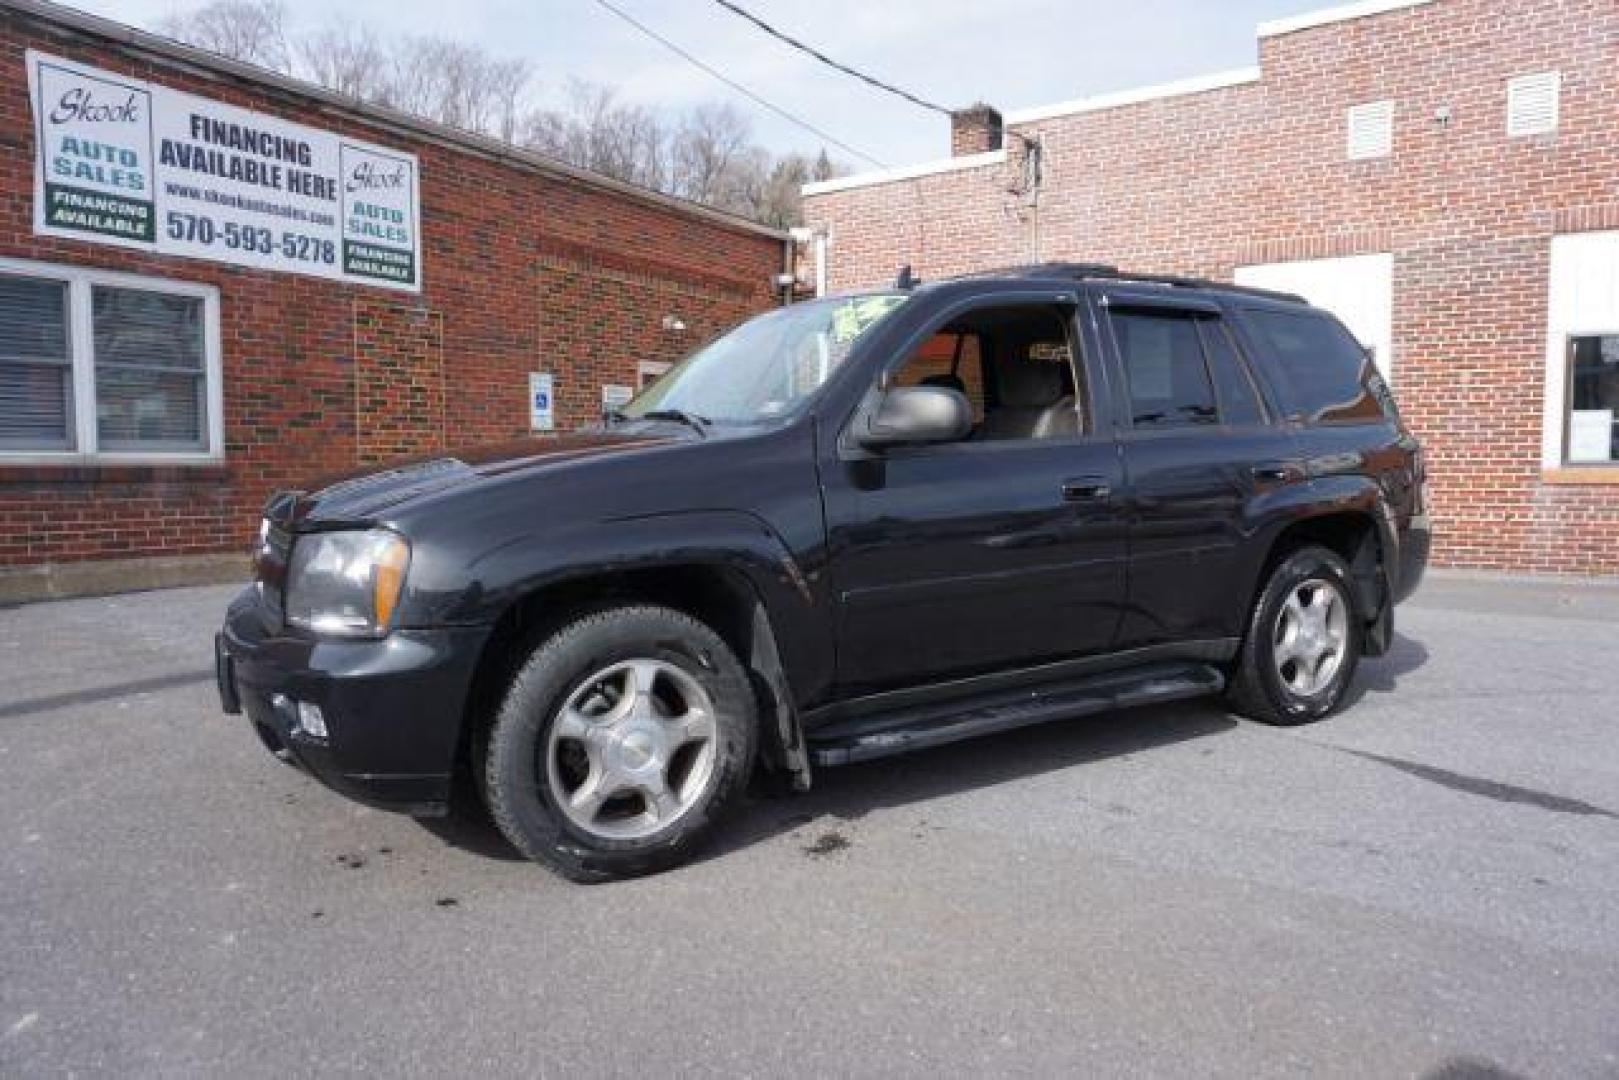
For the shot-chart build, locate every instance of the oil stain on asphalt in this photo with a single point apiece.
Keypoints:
(826, 844)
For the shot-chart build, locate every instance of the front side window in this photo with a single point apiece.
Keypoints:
(1016, 367)
(95, 365)
(1593, 399)
(952, 360)
(770, 366)
(1324, 376)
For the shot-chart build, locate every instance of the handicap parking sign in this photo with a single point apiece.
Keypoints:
(541, 403)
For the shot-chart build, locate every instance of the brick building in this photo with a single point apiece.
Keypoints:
(1442, 173)
(216, 282)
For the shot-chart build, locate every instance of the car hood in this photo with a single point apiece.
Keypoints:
(362, 496)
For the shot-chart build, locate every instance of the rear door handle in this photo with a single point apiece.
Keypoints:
(1086, 489)
(1275, 472)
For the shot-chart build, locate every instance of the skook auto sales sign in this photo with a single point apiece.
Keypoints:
(134, 164)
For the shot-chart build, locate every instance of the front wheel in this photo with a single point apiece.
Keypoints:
(620, 744)
(1303, 641)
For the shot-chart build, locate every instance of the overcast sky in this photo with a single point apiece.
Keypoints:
(1011, 53)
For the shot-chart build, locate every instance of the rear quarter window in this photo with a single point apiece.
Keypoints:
(1323, 375)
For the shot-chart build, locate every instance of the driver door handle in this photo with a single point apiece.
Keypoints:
(1086, 489)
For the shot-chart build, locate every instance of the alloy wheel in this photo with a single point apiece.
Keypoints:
(632, 750)
(1312, 637)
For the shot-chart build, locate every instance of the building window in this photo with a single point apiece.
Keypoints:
(648, 372)
(1532, 104)
(1592, 433)
(1371, 130)
(36, 366)
(97, 365)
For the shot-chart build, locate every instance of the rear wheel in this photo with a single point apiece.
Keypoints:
(1303, 642)
(621, 743)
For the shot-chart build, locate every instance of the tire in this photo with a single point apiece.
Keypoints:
(600, 763)
(1287, 674)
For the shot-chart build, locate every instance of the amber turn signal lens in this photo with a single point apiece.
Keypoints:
(389, 581)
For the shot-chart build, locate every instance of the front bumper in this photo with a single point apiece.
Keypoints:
(392, 707)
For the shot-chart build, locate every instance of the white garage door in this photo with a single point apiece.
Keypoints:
(1359, 290)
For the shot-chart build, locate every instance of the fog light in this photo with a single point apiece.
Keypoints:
(310, 720)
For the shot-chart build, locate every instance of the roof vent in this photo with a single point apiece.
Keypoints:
(1532, 103)
(1371, 130)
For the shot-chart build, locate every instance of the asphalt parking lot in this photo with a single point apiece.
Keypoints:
(1427, 884)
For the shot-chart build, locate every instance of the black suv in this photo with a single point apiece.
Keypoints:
(847, 528)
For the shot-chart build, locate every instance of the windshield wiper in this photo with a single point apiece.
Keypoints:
(697, 423)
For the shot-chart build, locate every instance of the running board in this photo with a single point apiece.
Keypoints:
(869, 737)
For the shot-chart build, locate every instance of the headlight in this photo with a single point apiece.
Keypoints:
(346, 583)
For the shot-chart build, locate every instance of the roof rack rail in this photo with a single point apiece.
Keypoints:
(1105, 272)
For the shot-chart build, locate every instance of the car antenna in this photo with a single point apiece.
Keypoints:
(906, 280)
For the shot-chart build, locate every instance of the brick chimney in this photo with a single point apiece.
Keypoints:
(974, 130)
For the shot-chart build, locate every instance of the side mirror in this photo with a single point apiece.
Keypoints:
(918, 414)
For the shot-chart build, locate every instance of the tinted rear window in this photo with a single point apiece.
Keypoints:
(1163, 362)
(1321, 368)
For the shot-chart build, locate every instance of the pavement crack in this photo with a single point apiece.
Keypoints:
(1489, 789)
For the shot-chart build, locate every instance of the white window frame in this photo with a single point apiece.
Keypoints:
(80, 281)
(649, 371)
(1582, 301)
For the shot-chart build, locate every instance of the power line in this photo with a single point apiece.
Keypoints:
(737, 9)
(734, 85)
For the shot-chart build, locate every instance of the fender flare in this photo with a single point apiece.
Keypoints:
(1374, 566)
(787, 629)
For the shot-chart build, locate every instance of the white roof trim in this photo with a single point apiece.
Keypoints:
(1198, 84)
(905, 172)
(1341, 13)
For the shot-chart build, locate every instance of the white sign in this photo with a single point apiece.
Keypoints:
(615, 396)
(541, 402)
(126, 162)
(1590, 435)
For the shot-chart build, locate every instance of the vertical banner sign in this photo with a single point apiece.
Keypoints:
(126, 162)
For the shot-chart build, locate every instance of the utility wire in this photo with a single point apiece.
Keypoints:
(737, 9)
(734, 85)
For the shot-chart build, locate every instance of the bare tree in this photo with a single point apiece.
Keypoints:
(457, 84)
(708, 148)
(780, 202)
(823, 169)
(706, 154)
(594, 131)
(253, 31)
(348, 59)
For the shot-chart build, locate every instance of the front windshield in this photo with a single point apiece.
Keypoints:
(769, 366)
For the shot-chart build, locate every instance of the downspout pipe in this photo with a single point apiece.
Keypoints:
(816, 236)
